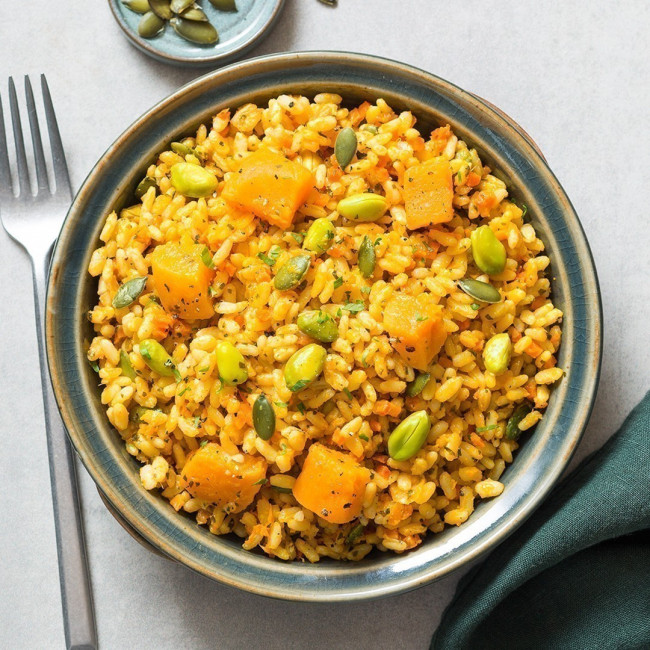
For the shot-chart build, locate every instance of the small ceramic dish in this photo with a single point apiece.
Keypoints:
(238, 32)
(503, 145)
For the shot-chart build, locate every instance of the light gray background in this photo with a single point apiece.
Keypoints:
(575, 74)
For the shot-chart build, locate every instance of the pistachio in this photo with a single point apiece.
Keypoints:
(179, 6)
(292, 272)
(129, 292)
(150, 25)
(367, 257)
(488, 252)
(497, 352)
(362, 207)
(408, 436)
(304, 366)
(479, 290)
(512, 427)
(224, 5)
(263, 418)
(161, 8)
(156, 357)
(320, 236)
(139, 6)
(202, 33)
(418, 384)
(318, 325)
(231, 364)
(126, 366)
(193, 180)
(345, 146)
(144, 185)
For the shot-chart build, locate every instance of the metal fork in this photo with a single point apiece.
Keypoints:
(33, 219)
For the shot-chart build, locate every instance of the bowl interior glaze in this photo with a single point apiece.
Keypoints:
(434, 101)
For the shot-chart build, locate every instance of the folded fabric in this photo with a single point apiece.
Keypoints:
(576, 574)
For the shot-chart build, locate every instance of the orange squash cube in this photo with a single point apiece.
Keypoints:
(270, 186)
(416, 325)
(428, 193)
(182, 279)
(211, 474)
(331, 484)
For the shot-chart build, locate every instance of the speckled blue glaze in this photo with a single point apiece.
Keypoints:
(541, 459)
(238, 31)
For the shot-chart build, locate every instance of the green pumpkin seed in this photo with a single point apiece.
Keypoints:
(202, 33)
(161, 8)
(231, 364)
(318, 325)
(488, 252)
(329, 3)
(367, 257)
(497, 352)
(263, 418)
(179, 6)
(150, 25)
(193, 180)
(408, 436)
(345, 146)
(224, 5)
(362, 207)
(194, 13)
(320, 236)
(479, 290)
(182, 149)
(418, 384)
(125, 365)
(139, 6)
(304, 366)
(291, 273)
(144, 185)
(512, 427)
(355, 533)
(156, 357)
(129, 292)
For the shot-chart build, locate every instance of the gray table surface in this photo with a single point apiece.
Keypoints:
(574, 74)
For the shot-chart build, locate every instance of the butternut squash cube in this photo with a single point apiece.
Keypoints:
(428, 193)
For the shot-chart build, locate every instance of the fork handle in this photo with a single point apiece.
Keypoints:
(74, 578)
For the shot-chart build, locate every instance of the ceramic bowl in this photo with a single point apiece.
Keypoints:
(503, 145)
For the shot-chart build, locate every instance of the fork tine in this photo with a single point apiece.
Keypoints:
(21, 159)
(5, 170)
(39, 156)
(58, 157)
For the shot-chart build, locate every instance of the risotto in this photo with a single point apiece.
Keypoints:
(322, 330)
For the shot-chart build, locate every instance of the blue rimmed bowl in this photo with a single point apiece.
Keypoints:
(503, 145)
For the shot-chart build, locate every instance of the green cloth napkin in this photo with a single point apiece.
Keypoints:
(576, 574)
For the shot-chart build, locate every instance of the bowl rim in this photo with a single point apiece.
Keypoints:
(148, 46)
(309, 592)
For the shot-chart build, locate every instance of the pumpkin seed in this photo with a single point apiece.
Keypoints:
(125, 365)
(202, 33)
(367, 257)
(418, 384)
(156, 357)
(488, 252)
(362, 207)
(144, 185)
(291, 273)
(497, 352)
(193, 180)
(194, 13)
(320, 236)
(182, 149)
(318, 325)
(479, 290)
(179, 6)
(231, 364)
(512, 427)
(224, 5)
(304, 366)
(355, 533)
(150, 25)
(263, 418)
(345, 146)
(408, 436)
(139, 6)
(161, 8)
(129, 292)
(329, 3)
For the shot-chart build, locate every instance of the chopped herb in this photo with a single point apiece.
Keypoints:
(206, 258)
(183, 391)
(204, 369)
(212, 291)
(364, 437)
(338, 282)
(488, 428)
(475, 306)
(298, 236)
(94, 365)
(377, 241)
(282, 405)
(284, 490)
(366, 290)
(301, 407)
(339, 313)
(354, 307)
(272, 257)
(419, 318)
(348, 394)
(262, 481)
(197, 421)
(354, 534)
